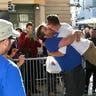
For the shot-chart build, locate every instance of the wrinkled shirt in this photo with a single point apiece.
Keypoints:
(11, 83)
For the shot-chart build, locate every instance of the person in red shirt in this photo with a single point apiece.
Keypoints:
(28, 45)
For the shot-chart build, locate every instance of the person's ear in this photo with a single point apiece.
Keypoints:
(6, 41)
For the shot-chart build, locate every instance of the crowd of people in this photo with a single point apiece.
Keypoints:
(68, 47)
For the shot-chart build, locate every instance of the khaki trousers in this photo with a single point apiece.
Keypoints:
(90, 54)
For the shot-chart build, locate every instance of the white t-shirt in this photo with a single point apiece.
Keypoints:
(81, 46)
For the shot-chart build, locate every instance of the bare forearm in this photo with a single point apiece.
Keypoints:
(67, 41)
(19, 64)
(21, 60)
(57, 53)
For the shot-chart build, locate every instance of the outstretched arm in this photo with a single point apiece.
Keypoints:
(56, 53)
(69, 40)
(60, 52)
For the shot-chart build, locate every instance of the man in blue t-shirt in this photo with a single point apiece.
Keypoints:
(70, 62)
(11, 83)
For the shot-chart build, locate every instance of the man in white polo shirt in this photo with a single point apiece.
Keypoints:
(84, 47)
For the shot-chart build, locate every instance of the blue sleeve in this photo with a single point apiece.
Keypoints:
(52, 44)
(14, 83)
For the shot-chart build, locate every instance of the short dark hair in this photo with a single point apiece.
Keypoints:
(19, 29)
(53, 19)
(29, 24)
(39, 33)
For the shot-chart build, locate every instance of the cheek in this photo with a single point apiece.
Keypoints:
(50, 26)
(53, 28)
(6, 49)
(30, 29)
(9, 44)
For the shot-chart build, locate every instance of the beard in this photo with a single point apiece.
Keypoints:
(6, 48)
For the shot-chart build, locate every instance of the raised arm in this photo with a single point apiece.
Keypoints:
(69, 40)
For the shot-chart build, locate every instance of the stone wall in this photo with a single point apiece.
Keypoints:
(59, 7)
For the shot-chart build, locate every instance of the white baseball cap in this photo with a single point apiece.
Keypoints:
(6, 30)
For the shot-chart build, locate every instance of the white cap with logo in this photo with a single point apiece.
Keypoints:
(6, 30)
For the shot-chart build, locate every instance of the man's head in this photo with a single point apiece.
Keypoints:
(53, 22)
(6, 34)
(44, 32)
(29, 27)
(19, 30)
